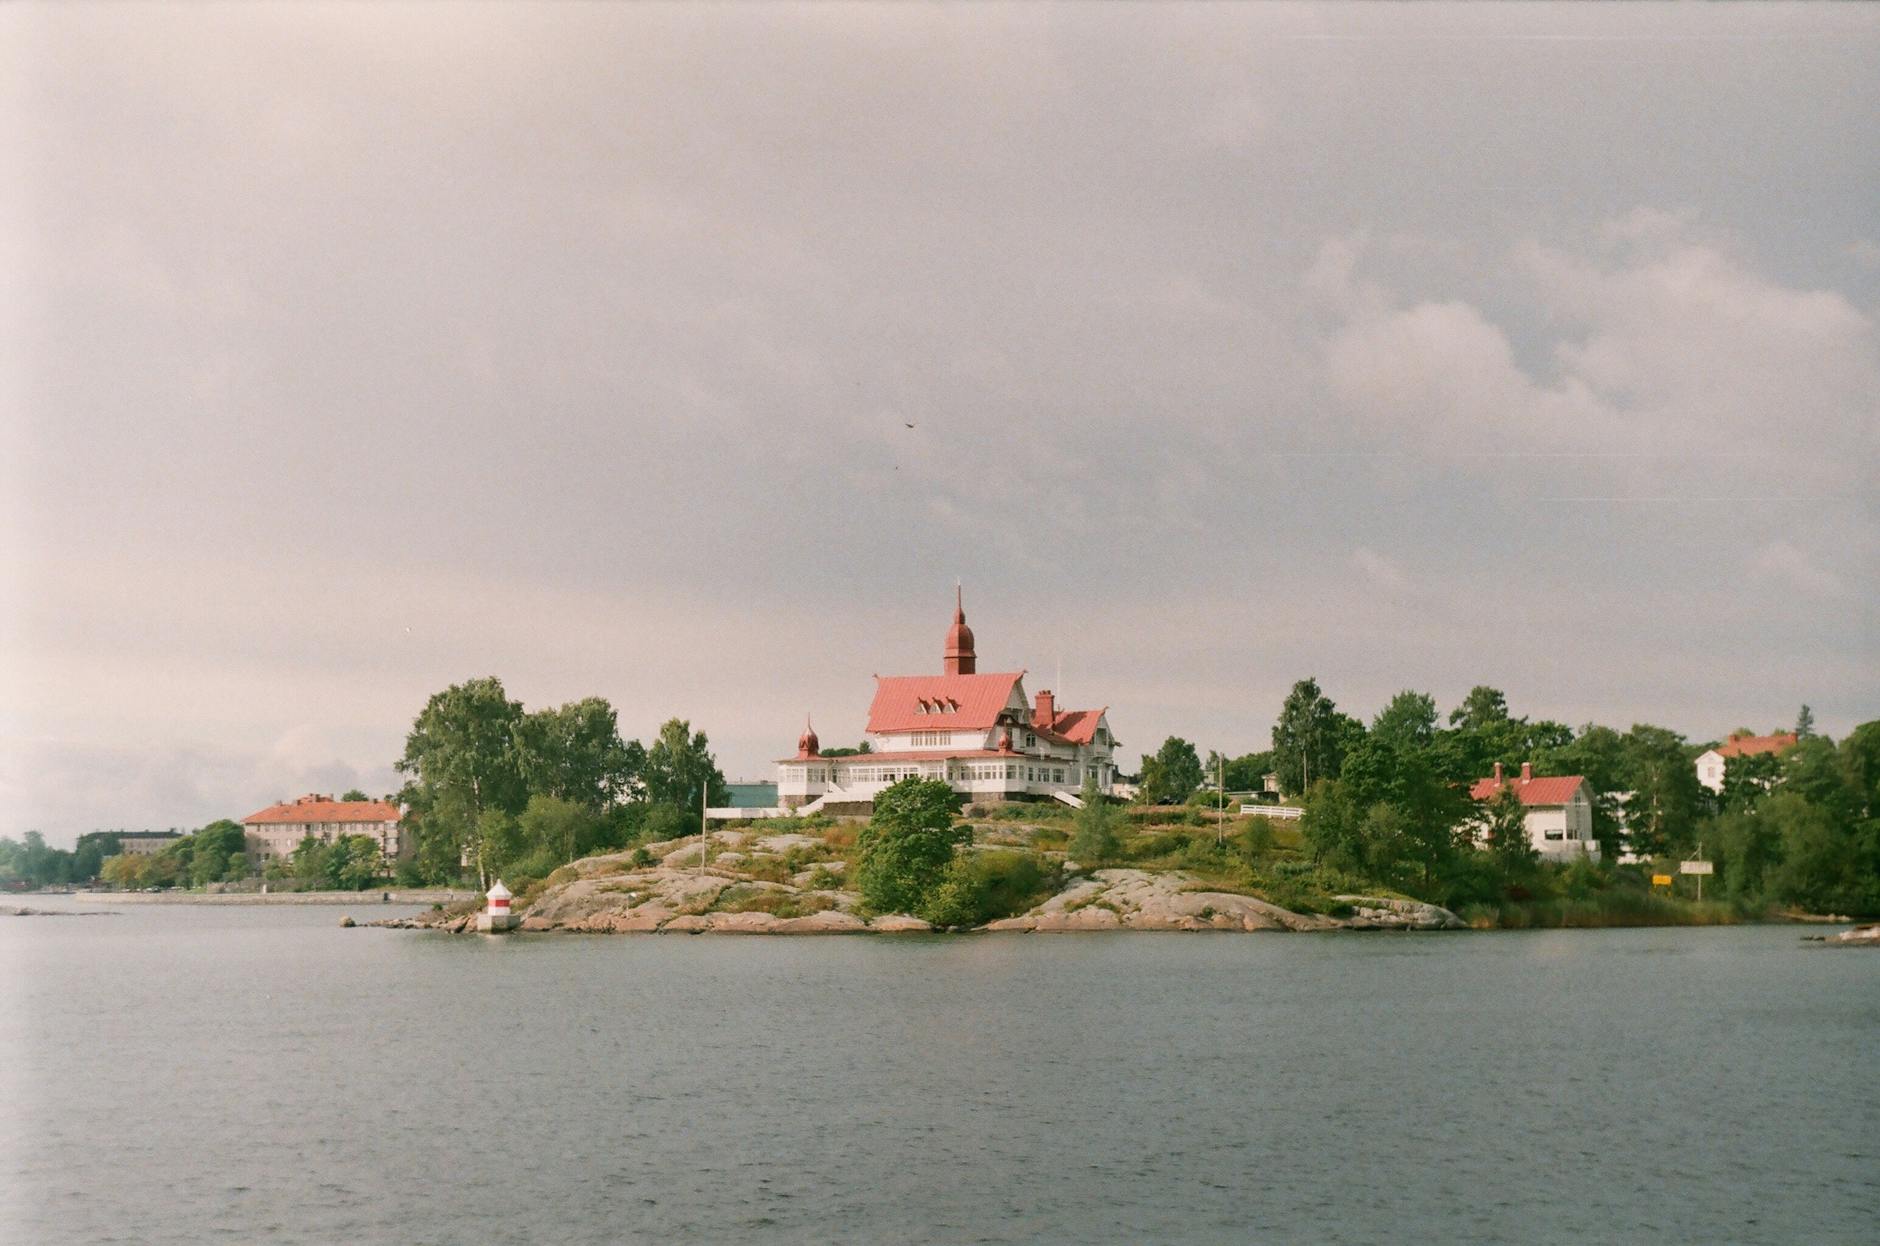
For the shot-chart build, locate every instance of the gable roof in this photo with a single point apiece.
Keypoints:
(325, 809)
(1077, 726)
(1744, 745)
(1557, 790)
(913, 702)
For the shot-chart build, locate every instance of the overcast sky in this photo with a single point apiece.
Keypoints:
(351, 351)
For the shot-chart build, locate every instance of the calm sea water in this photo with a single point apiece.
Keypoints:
(258, 1074)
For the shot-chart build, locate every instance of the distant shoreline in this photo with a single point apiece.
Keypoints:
(428, 895)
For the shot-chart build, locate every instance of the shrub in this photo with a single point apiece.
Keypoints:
(984, 886)
(903, 854)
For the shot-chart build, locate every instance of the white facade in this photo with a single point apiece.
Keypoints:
(980, 734)
(1710, 769)
(1562, 832)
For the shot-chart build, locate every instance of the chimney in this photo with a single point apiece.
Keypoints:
(1046, 712)
(1498, 772)
(1527, 771)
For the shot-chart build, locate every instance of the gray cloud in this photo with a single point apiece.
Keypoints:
(1403, 346)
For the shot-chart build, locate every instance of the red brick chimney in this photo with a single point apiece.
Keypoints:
(1527, 771)
(1498, 772)
(1046, 712)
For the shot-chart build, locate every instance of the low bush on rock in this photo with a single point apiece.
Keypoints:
(984, 886)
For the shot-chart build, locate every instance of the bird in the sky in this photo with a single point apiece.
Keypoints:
(905, 422)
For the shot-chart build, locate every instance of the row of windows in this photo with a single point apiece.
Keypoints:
(942, 706)
(932, 739)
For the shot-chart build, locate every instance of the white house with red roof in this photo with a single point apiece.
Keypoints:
(273, 833)
(1711, 762)
(978, 732)
(1557, 810)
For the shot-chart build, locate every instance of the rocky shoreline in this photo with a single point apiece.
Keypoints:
(791, 884)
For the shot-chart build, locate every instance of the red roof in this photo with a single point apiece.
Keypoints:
(1744, 745)
(1553, 791)
(326, 809)
(1077, 726)
(939, 702)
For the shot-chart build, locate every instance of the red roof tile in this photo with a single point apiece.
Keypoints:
(907, 702)
(1078, 726)
(1550, 791)
(1744, 745)
(322, 809)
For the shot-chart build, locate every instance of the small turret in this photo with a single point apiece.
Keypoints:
(807, 745)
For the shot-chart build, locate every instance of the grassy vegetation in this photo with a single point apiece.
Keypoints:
(1626, 907)
(784, 904)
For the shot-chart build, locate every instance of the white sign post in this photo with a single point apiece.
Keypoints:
(1699, 868)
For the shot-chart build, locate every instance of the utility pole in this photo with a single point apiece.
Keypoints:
(704, 844)
(1220, 789)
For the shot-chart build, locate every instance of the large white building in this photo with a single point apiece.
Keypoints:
(1711, 762)
(1557, 811)
(976, 731)
(273, 833)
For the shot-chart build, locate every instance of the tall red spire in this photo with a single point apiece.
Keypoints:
(807, 744)
(960, 658)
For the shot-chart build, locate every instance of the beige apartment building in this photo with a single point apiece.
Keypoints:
(273, 833)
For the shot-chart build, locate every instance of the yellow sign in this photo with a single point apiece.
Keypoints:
(1661, 880)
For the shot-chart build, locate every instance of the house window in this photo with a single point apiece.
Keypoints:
(1554, 834)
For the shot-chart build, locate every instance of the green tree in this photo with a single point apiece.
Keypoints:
(495, 842)
(1333, 826)
(352, 863)
(353, 793)
(903, 854)
(1172, 775)
(310, 861)
(89, 857)
(1661, 814)
(1311, 738)
(462, 761)
(211, 850)
(1247, 773)
(33, 863)
(1805, 723)
(560, 827)
(1748, 848)
(678, 764)
(1408, 721)
(125, 871)
(1505, 827)
(1748, 777)
(1486, 733)
(1096, 828)
(1407, 765)
(574, 753)
(1597, 754)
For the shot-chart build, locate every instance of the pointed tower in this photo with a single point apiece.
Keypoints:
(960, 658)
(807, 744)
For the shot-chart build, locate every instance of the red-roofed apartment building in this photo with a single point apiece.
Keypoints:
(273, 833)
(1711, 762)
(1557, 811)
(976, 731)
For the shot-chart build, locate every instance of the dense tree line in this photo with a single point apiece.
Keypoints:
(1390, 802)
(494, 789)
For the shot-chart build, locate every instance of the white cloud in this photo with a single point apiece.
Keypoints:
(1663, 351)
